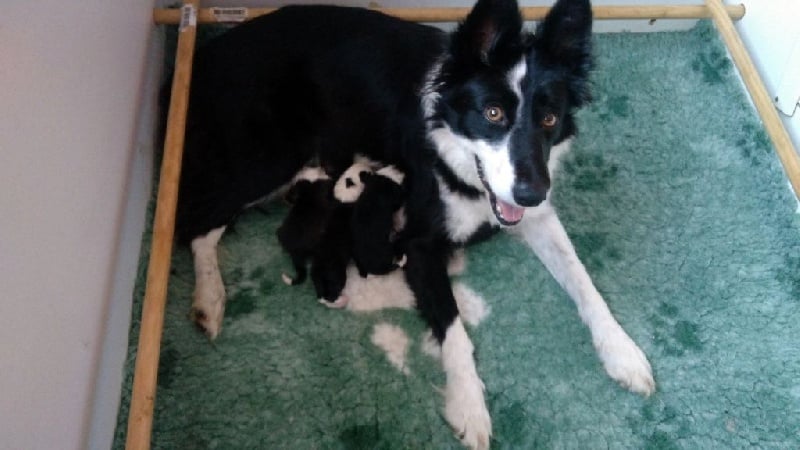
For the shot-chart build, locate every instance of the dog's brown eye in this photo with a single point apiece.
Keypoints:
(494, 114)
(549, 121)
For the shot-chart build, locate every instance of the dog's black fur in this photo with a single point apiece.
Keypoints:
(372, 224)
(340, 79)
(320, 81)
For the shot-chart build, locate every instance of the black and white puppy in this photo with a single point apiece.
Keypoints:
(475, 119)
(373, 222)
(334, 250)
(301, 232)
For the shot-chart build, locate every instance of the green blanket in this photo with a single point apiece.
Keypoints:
(677, 205)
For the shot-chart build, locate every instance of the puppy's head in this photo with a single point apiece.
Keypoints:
(303, 184)
(349, 185)
(503, 97)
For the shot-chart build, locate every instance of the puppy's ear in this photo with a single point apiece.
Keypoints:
(293, 193)
(490, 34)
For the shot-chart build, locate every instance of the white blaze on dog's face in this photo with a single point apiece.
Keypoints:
(502, 98)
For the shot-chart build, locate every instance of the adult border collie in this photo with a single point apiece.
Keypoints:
(476, 120)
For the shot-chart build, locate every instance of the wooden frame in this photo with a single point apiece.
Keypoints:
(140, 419)
(434, 15)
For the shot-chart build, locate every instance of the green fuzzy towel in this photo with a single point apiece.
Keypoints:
(677, 205)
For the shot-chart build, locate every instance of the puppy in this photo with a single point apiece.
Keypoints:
(301, 232)
(334, 250)
(373, 222)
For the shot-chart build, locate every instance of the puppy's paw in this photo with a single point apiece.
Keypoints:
(465, 410)
(339, 303)
(401, 262)
(625, 362)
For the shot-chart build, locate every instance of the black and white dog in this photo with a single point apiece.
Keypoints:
(475, 119)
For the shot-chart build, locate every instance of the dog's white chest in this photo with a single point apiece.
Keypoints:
(464, 216)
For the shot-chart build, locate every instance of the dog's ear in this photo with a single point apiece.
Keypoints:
(564, 38)
(565, 34)
(490, 34)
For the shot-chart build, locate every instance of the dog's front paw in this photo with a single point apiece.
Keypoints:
(465, 410)
(208, 308)
(625, 362)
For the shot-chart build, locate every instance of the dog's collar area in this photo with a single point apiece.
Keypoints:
(506, 214)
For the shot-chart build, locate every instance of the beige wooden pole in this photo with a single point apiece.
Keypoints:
(140, 418)
(210, 15)
(769, 114)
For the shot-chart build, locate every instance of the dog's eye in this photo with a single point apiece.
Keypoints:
(550, 120)
(348, 182)
(494, 114)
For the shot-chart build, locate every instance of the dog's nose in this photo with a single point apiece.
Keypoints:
(528, 195)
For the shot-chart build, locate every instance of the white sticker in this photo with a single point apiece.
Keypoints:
(188, 17)
(229, 14)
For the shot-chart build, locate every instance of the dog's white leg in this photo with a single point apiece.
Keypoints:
(465, 408)
(208, 304)
(622, 358)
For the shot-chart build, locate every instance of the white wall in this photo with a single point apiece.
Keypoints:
(71, 83)
(771, 33)
(77, 89)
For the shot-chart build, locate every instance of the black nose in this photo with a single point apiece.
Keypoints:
(528, 195)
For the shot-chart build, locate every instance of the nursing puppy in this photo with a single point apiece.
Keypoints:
(373, 222)
(475, 119)
(301, 232)
(334, 252)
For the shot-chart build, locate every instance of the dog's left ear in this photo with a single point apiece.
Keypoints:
(490, 34)
(565, 34)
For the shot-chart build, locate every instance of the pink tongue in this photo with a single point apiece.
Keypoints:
(509, 212)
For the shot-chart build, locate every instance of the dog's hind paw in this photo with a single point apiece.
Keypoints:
(625, 362)
(209, 325)
(208, 308)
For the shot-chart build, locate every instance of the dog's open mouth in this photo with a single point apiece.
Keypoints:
(506, 214)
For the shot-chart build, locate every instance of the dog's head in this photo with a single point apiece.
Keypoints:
(503, 97)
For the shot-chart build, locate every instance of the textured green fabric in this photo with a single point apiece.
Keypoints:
(678, 207)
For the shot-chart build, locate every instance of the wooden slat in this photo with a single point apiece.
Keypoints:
(140, 418)
(762, 100)
(433, 15)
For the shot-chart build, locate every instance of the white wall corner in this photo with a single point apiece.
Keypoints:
(770, 31)
(110, 374)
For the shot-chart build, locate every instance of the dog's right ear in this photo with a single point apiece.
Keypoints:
(490, 34)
